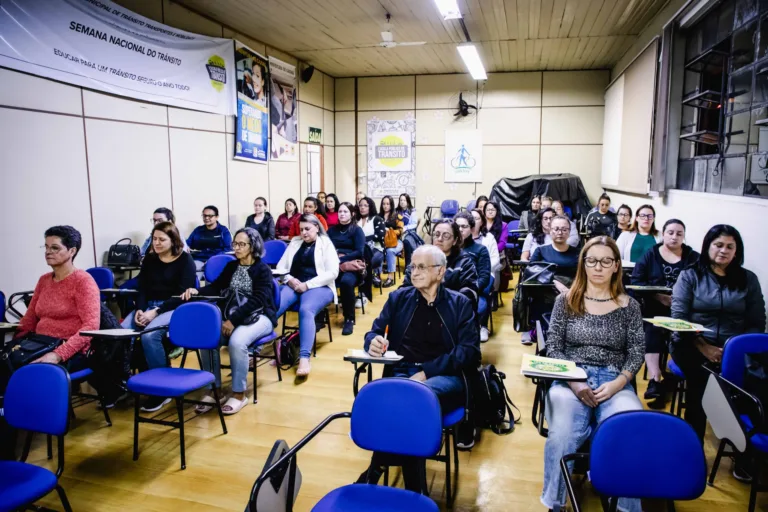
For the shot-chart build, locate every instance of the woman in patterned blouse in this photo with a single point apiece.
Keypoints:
(600, 328)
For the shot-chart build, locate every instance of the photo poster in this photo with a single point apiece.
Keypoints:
(251, 134)
(283, 111)
(463, 156)
(391, 158)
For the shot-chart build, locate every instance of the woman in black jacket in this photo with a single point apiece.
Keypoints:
(261, 220)
(247, 324)
(349, 240)
(723, 296)
(374, 229)
(661, 266)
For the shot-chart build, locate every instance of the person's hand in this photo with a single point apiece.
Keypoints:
(664, 299)
(189, 293)
(149, 316)
(301, 288)
(584, 393)
(139, 318)
(292, 283)
(419, 377)
(712, 353)
(227, 328)
(561, 288)
(377, 347)
(608, 389)
(50, 357)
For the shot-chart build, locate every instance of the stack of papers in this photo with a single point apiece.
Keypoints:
(673, 324)
(537, 366)
(390, 355)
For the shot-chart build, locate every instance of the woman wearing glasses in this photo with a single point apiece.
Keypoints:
(600, 328)
(166, 271)
(209, 239)
(253, 279)
(642, 237)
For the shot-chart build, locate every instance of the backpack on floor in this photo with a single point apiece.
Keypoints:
(492, 403)
(288, 350)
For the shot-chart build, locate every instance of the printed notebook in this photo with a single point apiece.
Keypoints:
(673, 324)
(537, 366)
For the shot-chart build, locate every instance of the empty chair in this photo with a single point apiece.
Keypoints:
(103, 277)
(448, 209)
(273, 251)
(37, 400)
(215, 265)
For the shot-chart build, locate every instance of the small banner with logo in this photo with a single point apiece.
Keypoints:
(251, 132)
(463, 156)
(391, 158)
(283, 111)
(104, 46)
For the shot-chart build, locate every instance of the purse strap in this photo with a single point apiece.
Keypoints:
(130, 242)
(544, 267)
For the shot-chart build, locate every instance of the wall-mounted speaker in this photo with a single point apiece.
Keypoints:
(306, 75)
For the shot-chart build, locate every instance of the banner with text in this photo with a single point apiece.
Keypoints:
(251, 135)
(391, 158)
(283, 110)
(463, 156)
(101, 45)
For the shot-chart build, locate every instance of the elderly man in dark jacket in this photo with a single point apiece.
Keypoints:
(435, 331)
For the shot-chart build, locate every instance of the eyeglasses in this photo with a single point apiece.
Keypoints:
(560, 230)
(646, 216)
(625, 214)
(463, 226)
(156, 221)
(52, 249)
(422, 268)
(547, 217)
(605, 262)
(443, 236)
(209, 216)
(240, 245)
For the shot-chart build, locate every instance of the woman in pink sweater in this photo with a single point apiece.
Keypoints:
(66, 301)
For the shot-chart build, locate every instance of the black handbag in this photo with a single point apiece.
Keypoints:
(541, 273)
(234, 300)
(124, 255)
(29, 348)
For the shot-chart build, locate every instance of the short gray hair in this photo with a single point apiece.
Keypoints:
(257, 243)
(312, 219)
(438, 256)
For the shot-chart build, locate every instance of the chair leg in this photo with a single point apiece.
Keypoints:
(455, 450)
(218, 407)
(755, 484)
(448, 467)
(670, 506)
(199, 359)
(283, 333)
(328, 319)
(180, 412)
(63, 498)
(386, 476)
(136, 426)
(49, 445)
(254, 377)
(277, 365)
(105, 410)
(716, 463)
(674, 400)
(183, 359)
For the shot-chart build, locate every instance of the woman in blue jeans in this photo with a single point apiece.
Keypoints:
(394, 223)
(311, 266)
(245, 325)
(600, 328)
(165, 272)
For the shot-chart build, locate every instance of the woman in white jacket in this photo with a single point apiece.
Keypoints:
(311, 266)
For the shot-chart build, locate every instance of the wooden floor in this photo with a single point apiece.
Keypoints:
(499, 474)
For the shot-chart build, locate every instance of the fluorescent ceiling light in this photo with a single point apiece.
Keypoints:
(471, 59)
(449, 9)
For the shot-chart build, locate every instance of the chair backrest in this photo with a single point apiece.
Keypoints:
(733, 354)
(215, 265)
(471, 204)
(276, 294)
(397, 415)
(37, 399)
(568, 212)
(196, 325)
(489, 289)
(130, 284)
(513, 224)
(721, 413)
(273, 251)
(103, 276)
(667, 459)
(449, 208)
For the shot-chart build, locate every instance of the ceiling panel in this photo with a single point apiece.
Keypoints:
(341, 37)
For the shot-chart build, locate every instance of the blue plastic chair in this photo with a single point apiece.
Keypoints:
(37, 400)
(104, 278)
(394, 415)
(674, 470)
(214, 266)
(273, 251)
(471, 205)
(269, 338)
(193, 326)
(448, 209)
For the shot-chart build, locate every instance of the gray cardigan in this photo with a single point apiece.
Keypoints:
(727, 312)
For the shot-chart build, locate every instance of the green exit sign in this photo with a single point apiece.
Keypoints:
(315, 135)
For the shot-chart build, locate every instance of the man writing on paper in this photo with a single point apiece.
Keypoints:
(434, 329)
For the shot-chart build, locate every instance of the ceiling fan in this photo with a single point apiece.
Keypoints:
(388, 40)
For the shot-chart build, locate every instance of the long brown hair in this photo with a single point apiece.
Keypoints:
(574, 299)
(634, 228)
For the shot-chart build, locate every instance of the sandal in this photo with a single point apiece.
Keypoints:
(202, 409)
(234, 405)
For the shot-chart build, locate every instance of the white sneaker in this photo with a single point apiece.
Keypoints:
(359, 304)
(525, 339)
(483, 334)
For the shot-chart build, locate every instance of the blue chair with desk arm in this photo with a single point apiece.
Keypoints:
(273, 251)
(395, 415)
(215, 265)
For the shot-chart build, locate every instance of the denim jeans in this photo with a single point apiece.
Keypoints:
(391, 255)
(152, 343)
(311, 302)
(571, 424)
(448, 388)
(242, 337)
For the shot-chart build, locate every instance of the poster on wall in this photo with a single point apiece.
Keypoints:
(391, 157)
(283, 111)
(251, 135)
(103, 46)
(463, 156)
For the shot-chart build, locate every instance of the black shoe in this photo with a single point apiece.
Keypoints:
(349, 326)
(741, 474)
(111, 402)
(655, 390)
(466, 437)
(388, 283)
(376, 282)
(154, 403)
